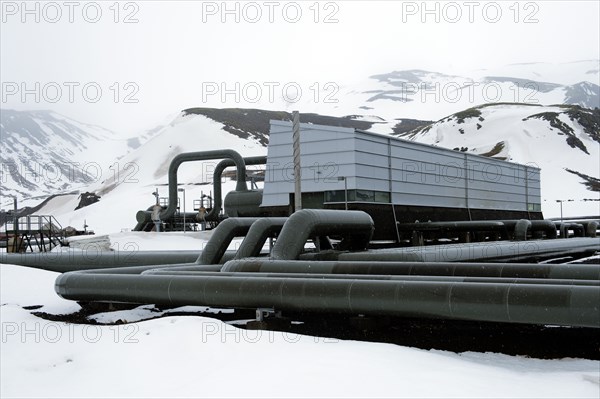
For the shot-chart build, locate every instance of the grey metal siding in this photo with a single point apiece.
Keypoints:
(413, 173)
(326, 153)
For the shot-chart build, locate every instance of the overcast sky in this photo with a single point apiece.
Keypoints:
(160, 53)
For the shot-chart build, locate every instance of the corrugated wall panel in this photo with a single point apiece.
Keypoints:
(326, 153)
(420, 174)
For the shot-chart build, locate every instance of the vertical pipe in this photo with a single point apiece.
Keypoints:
(521, 229)
(16, 245)
(590, 229)
(466, 170)
(395, 222)
(297, 169)
(215, 208)
(201, 156)
(346, 193)
(527, 192)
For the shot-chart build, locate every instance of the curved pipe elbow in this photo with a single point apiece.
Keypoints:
(222, 236)
(213, 214)
(547, 226)
(521, 228)
(578, 230)
(355, 226)
(257, 235)
(201, 156)
(591, 228)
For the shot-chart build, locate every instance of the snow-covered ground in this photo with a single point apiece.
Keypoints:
(194, 356)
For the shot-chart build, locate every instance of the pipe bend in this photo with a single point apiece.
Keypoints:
(590, 229)
(356, 227)
(521, 229)
(257, 235)
(213, 214)
(226, 231)
(201, 156)
(143, 218)
(547, 226)
(578, 229)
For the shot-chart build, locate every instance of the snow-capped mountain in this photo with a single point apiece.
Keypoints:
(46, 153)
(562, 140)
(432, 95)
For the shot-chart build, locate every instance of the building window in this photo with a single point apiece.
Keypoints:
(357, 196)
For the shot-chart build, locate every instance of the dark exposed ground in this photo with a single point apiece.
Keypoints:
(254, 123)
(546, 342)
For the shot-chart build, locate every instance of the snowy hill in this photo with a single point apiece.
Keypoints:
(564, 141)
(426, 95)
(566, 74)
(47, 153)
(144, 170)
(431, 95)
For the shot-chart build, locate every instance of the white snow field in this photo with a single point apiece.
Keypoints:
(194, 356)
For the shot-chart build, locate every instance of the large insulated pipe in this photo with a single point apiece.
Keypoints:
(214, 252)
(506, 270)
(257, 235)
(213, 214)
(355, 226)
(221, 237)
(591, 228)
(547, 226)
(572, 305)
(141, 224)
(195, 156)
(204, 272)
(474, 225)
(496, 251)
(66, 261)
(578, 230)
(521, 228)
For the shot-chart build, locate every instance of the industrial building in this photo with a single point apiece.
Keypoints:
(353, 169)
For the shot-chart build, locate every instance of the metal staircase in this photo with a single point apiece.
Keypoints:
(33, 233)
